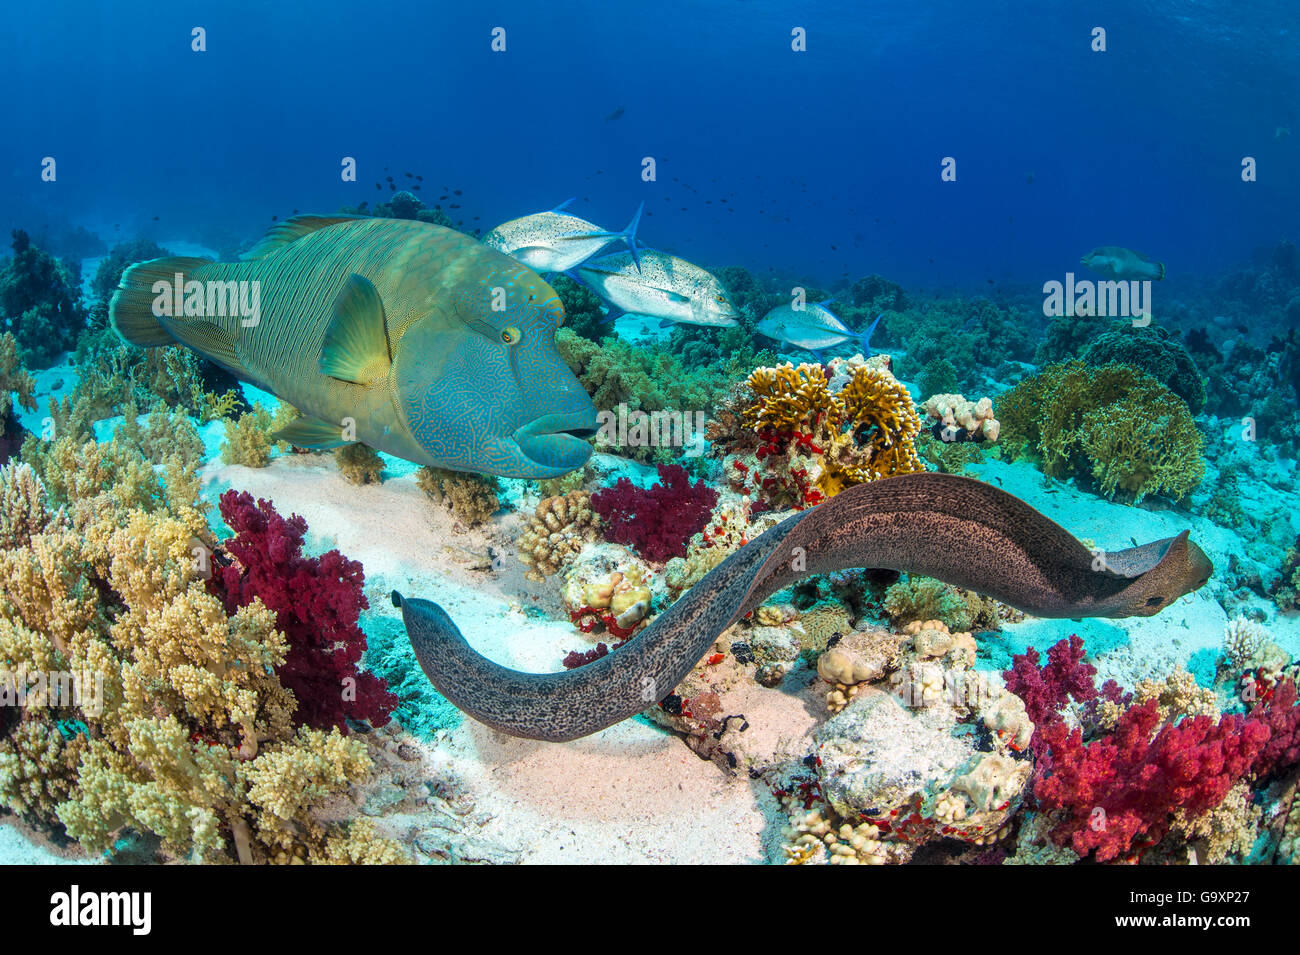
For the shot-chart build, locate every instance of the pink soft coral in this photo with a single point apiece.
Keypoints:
(317, 602)
(657, 522)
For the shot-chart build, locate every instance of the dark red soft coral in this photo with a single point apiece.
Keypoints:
(656, 522)
(317, 603)
(1118, 793)
(1046, 689)
(1281, 714)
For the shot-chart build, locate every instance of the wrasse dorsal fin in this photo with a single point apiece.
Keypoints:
(291, 230)
(356, 347)
(312, 433)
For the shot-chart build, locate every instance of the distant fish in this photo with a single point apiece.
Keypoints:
(1282, 132)
(1116, 262)
(813, 327)
(666, 287)
(614, 115)
(555, 241)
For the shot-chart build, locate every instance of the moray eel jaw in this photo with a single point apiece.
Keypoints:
(1181, 568)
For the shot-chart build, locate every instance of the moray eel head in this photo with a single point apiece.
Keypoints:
(1161, 572)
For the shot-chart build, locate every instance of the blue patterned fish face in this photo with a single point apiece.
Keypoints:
(483, 387)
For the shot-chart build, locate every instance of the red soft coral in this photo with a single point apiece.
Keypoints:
(1045, 690)
(317, 602)
(657, 522)
(1117, 794)
(1281, 714)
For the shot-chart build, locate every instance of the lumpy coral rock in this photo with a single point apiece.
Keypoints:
(317, 602)
(556, 533)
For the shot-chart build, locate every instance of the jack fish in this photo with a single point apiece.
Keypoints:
(413, 339)
(663, 287)
(554, 241)
(813, 327)
(1116, 262)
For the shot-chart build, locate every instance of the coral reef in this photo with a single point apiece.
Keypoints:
(149, 707)
(1112, 423)
(40, 302)
(656, 522)
(16, 386)
(471, 498)
(1285, 591)
(804, 437)
(1155, 351)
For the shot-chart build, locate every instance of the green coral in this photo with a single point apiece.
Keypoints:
(924, 598)
(1154, 351)
(40, 301)
(1113, 423)
(472, 498)
(360, 464)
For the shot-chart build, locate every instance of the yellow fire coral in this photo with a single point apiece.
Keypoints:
(817, 440)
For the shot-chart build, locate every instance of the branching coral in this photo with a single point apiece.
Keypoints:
(659, 521)
(169, 718)
(471, 497)
(1117, 795)
(814, 440)
(249, 438)
(1114, 424)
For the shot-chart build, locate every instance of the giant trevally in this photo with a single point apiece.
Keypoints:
(408, 337)
(665, 287)
(1116, 262)
(813, 327)
(555, 241)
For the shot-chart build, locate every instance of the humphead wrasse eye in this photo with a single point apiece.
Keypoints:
(510, 335)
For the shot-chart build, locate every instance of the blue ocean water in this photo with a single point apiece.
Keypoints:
(829, 159)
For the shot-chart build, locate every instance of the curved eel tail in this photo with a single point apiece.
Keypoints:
(962, 531)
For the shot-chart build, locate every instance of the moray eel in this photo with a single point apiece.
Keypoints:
(957, 529)
(405, 336)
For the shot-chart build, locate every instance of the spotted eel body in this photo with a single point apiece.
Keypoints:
(962, 531)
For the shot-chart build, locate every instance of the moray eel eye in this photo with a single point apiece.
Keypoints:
(1155, 601)
(510, 335)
